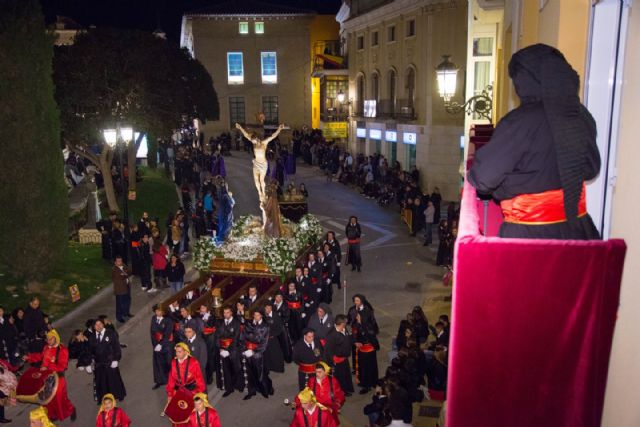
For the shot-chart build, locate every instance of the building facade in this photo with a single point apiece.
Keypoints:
(258, 56)
(393, 49)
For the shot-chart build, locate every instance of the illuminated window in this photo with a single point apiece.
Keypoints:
(243, 28)
(269, 68)
(259, 27)
(235, 68)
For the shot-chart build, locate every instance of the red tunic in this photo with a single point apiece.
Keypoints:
(212, 414)
(312, 420)
(194, 376)
(60, 406)
(122, 420)
(322, 391)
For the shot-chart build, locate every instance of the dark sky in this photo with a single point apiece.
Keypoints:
(150, 14)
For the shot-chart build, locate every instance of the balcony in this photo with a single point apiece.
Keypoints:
(547, 310)
(328, 58)
(333, 115)
(402, 110)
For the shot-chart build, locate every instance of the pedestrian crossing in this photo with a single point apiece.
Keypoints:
(374, 235)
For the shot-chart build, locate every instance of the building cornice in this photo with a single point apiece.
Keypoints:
(393, 9)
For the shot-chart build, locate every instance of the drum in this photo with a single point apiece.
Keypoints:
(36, 386)
(180, 407)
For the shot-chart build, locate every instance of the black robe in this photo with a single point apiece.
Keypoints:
(213, 352)
(296, 322)
(366, 363)
(336, 347)
(229, 374)
(284, 338)
(162, 334)
(105, 378)
(257, 373)
(303, 354)
(273, 355)
(353, 233)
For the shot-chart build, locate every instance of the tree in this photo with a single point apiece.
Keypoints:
(34, 206)
(104, 78)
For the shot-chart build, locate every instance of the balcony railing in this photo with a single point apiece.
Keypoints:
(401, 109)
(333, 115)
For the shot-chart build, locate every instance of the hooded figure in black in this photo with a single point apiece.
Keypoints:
(547, 143)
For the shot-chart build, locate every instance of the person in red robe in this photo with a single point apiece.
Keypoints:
(55, 357)
(204, 415)
(185, 374)
(327, 390)
(310, 413)
(108, 411)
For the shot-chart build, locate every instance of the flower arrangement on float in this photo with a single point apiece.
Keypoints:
(247, 242)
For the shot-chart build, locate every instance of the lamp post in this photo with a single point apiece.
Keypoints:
(447, 76)
(112, 137)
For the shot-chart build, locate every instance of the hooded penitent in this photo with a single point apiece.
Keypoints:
(541, 72)
(546, 145)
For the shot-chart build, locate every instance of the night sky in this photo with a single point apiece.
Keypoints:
(150, 14)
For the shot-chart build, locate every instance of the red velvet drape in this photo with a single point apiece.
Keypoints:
(532, 326)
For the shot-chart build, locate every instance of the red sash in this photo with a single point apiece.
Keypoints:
(540, 208)
(338, 359)
(314, 280)
(158, 336)
(367, 348)
(294, 304)
(209, 331)
(353, 241)
(251, 345)
(323, 341)
(307, 368)
(226, 342)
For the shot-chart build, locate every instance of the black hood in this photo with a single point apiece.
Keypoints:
(541, 73)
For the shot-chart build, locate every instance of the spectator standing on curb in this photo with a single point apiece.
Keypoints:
(121, 289)
(159, 260)
(175, 273)
(429, 217)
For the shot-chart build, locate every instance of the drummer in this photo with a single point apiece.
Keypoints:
(203, 414)
(55, 357)
(108, 411)
(185, 375)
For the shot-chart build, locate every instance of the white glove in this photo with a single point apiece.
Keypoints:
(158, 347)
(304, 314)
(319, 290)
(306, 304)
(89, 369)
(338, 264)
(328, 281)
(248, 353)
(114, 364)
(224, 353)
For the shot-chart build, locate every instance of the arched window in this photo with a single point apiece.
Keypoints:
(360, 92)
(392, 91)
(375, 87)
(410, 86)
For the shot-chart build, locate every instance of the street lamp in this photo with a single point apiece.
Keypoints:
(341, 96)
(111, 137)
(447, 76)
